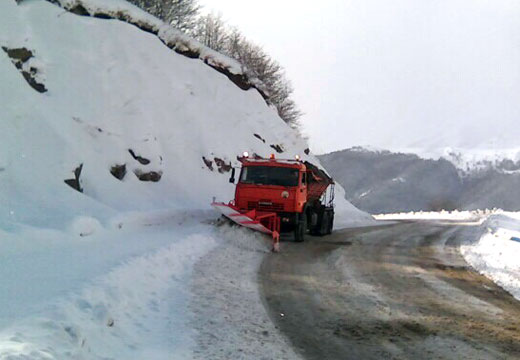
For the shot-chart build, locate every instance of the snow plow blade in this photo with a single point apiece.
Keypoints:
(265, 222)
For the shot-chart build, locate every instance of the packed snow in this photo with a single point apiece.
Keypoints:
(228, 311)
(148, 136)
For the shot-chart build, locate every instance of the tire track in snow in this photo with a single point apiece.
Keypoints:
(229, 316)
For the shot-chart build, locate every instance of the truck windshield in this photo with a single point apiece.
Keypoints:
(269, 175)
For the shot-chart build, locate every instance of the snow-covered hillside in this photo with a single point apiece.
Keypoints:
(112, 146)
(382, 181)
(117, 96)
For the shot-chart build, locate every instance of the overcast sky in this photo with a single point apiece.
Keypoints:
(394, 74)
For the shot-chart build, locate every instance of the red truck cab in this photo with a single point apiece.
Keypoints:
(272, 185)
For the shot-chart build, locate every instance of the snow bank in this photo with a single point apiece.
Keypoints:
(495, 254)
(118, 293)
(134, 290)
(347, 215)
(133, 312)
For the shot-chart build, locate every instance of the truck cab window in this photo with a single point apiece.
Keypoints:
(269, 175)
(243, 174)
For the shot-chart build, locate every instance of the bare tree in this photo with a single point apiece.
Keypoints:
(257, 64)
(211, 31)
(181, 14)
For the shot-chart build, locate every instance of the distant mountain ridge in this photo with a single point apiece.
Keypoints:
(504, 161)
(380, 181)
(466, 161)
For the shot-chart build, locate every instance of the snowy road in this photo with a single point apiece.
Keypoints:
(401, 291)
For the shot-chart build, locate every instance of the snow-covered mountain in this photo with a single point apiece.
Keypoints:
(505, 161)
(382, 181)
(116, 132)
(467, 160)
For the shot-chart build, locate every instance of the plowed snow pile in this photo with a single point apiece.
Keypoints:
(495, 254)
(111, 147)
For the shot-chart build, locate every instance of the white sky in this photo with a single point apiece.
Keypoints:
(394, 74)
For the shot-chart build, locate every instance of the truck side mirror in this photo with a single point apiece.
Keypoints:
(232, 178)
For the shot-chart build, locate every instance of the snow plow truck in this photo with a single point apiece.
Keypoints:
(280, 195)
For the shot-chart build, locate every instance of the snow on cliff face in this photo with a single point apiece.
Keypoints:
(148, 136)
(117, 98)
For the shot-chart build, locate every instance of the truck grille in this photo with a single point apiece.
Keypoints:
(264, 206)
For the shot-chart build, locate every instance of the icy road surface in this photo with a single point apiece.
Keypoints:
(397, 292)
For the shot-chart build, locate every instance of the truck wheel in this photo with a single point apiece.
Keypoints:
(324, 225)
(315, 230)
(301, 227)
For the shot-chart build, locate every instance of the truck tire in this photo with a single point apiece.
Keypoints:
(324, 225)
(300, 228)
(316, 227)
